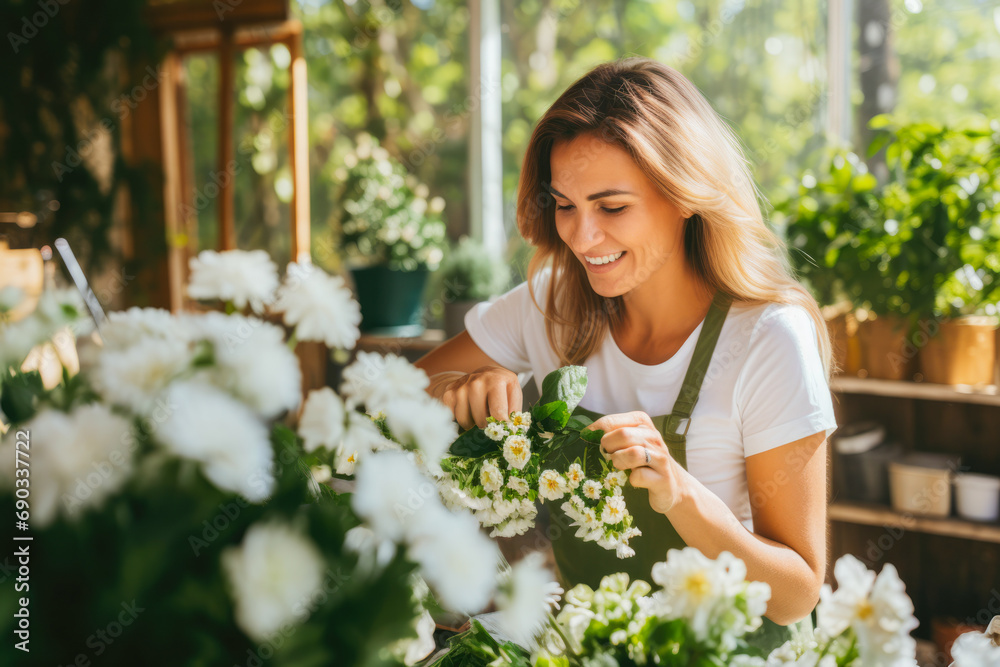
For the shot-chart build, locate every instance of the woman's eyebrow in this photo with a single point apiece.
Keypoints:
(597, 195)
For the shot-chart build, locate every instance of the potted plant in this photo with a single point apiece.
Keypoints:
(899, 252)
(946, 197)
(822, 221)
(469, 274)
(392, 235)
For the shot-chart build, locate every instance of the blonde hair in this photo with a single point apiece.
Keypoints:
(696, 162)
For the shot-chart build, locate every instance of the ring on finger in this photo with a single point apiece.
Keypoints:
(646, 452)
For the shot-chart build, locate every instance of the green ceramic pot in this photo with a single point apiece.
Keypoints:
(391, 301)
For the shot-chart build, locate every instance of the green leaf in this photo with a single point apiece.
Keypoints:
(473, 444)
(878, 143)
(593, 437)
(567, 384)
(19, 395)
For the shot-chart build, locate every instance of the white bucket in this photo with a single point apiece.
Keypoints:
(920, 490)
(978, 496)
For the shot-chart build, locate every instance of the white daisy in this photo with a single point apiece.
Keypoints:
(495, 431)
(322, 421)
(615, 480)
(275, 575)
(517, 451)
(319, 306)
(374, 380)
(592, 489)
(574, 476)
(518, 485)
(614, 511)
(238, 276)
(520, 420)
(552, 485)
(491, 477)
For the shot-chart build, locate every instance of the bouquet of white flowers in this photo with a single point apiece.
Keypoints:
(498, 472)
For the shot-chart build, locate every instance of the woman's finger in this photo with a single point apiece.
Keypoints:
(477, 402)
(515, 399)
(462, 414)
(627, 436)
(496, 398)
(621, 420)
(637, 456)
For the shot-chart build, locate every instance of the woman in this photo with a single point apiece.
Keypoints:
(655, 270)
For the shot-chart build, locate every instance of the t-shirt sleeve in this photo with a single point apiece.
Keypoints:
(498, 328)
(782, 393)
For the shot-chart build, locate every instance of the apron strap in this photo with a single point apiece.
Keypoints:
(680, 418)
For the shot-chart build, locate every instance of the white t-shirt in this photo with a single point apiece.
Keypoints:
(764, 387)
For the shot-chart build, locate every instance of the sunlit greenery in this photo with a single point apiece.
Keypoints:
(399, 70)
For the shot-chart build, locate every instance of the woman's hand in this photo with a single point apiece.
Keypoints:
(632, 442)
(472, 397)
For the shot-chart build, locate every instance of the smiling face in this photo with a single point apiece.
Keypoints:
(613, 218)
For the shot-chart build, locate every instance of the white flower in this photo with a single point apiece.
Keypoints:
(77, 459)
(424, 422)
(128, 327)
(615, 480)
(252, 362)
(495, 431)
(137, 375)
(505, 508)
(238, 276)
(322, 422)
(876, 608)
(551, 485)
(319, 306)
(518, 485)
(520, 420)
(456, 498)
(491, 477)
(574, 476)
(275, 576)
(592, 489)
(346, 461)
(975, 649)
(456, 559)
(374, 380)
(614, 511)
(517, 451)
(206, 425)
(391, 493)
(700, 590)
(524, 599)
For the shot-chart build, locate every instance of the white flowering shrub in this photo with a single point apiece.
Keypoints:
(387, 216)
(166, 487)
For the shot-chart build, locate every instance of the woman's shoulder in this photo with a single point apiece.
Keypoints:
(773, 323)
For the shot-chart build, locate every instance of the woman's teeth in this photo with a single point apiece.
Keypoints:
(607, 259)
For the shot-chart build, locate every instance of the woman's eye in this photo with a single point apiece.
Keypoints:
(613, 211)
(560, 207)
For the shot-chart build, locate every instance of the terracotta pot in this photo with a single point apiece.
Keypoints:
(886, 354)
(844, 341)
(962, 352)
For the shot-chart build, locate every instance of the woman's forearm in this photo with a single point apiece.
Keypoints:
(704, 521)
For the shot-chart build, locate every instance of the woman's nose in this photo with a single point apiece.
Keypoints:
(587, 233)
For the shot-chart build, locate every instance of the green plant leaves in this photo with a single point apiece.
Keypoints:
(567, 384)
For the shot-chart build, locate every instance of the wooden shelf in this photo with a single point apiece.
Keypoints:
(879, 515)
(985, 395)
(427, 341)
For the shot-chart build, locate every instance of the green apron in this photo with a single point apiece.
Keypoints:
(586, 562)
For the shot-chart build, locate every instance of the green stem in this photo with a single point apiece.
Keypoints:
(293, 340)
